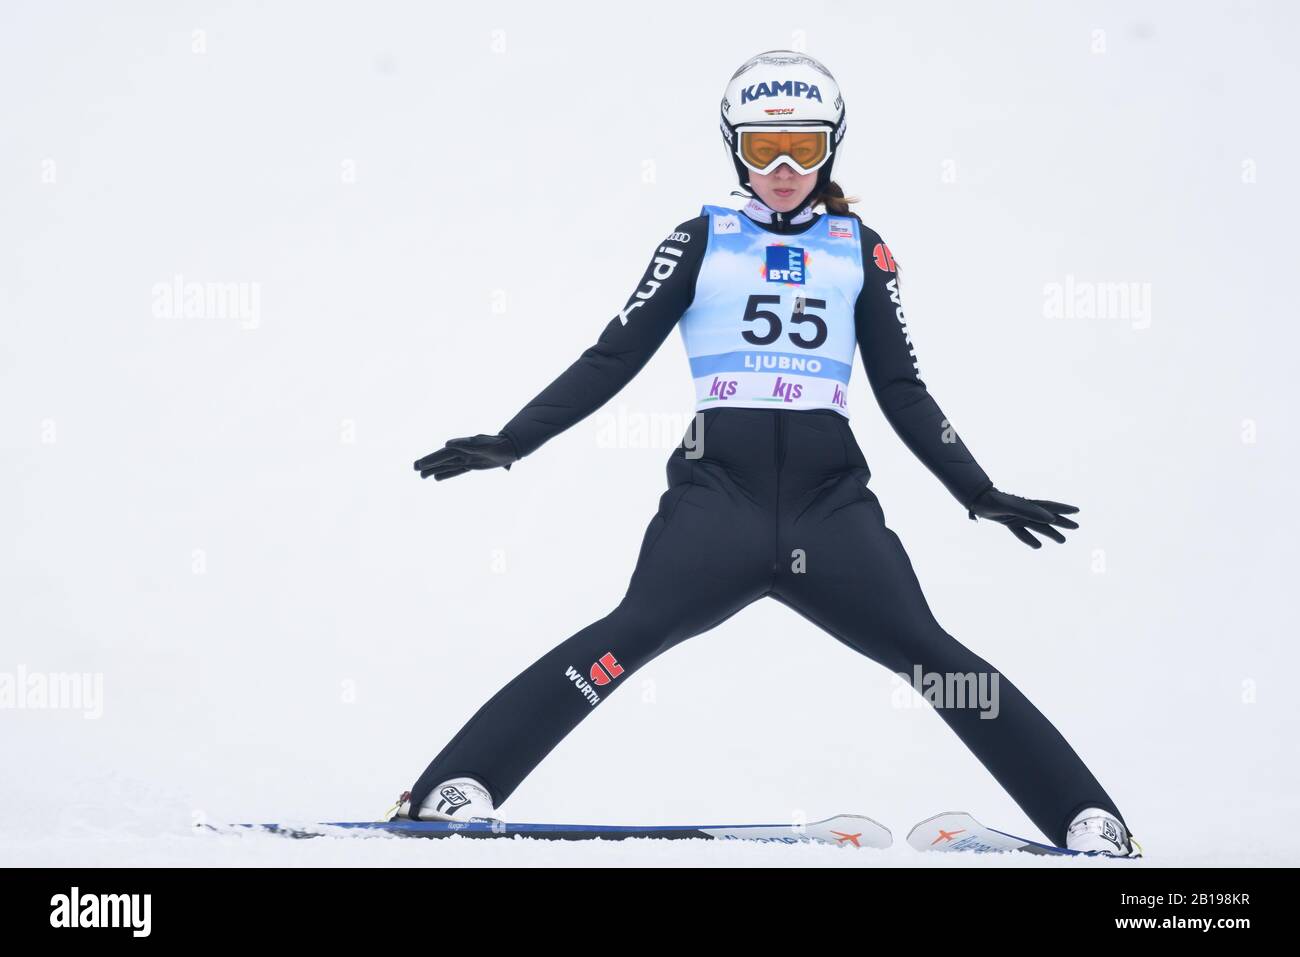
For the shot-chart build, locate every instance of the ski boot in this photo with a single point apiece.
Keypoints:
(1094, 831)
(460, 799)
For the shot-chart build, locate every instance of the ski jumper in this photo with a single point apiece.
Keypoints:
(776, 505)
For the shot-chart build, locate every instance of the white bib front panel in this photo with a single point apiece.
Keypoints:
(772, 322)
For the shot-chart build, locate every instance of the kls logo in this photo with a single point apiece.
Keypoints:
(787, 391)
(722, 388)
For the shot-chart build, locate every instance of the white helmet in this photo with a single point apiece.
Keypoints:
(782, 91)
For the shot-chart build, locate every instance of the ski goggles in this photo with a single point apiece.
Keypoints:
(764, 148)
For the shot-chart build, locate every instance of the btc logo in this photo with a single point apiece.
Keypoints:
(786, 264)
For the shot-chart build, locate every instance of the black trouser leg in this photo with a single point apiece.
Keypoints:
(858, 584)
(699, 564)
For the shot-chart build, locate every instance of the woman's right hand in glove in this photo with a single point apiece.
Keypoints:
(471, 452)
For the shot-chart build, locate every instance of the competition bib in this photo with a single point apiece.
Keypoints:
(771, 325)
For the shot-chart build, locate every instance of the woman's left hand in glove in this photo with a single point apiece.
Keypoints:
(1024, 515)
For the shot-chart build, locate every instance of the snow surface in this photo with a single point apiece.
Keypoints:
(217, 518)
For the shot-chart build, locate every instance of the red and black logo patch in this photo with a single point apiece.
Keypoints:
(606, 669)
(884, 258)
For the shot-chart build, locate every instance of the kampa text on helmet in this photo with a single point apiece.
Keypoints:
(795, 88)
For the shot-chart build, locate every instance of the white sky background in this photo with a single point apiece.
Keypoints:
(380, 172)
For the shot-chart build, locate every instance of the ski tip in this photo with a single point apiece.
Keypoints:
(960, 832)
(955, 818)
(854, 830)
(935, 832)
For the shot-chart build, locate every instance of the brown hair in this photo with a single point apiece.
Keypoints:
(833, 198)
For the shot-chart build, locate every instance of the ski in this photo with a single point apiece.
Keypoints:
(958, 831)
(844, 830)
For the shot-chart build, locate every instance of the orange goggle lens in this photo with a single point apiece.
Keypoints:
(807, 149)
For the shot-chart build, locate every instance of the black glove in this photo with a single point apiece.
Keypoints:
(1021, 514)
(471, 452)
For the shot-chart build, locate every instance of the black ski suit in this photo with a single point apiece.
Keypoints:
(772, 485)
